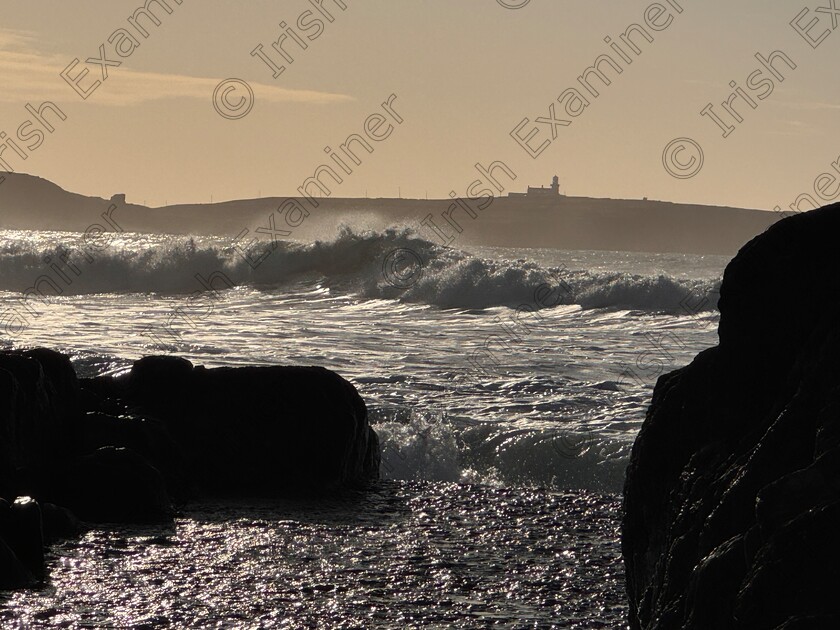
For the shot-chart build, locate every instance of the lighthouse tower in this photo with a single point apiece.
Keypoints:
(542, 192)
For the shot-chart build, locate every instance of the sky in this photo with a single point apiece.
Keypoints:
(463, 76)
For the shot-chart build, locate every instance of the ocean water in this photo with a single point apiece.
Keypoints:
(506, 386)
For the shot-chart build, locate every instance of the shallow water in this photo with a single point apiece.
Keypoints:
(405, 555)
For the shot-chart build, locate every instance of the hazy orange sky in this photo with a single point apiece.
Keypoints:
(465, 74)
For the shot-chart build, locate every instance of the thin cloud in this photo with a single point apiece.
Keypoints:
(29, 75)
(811, 106)
(17, 40)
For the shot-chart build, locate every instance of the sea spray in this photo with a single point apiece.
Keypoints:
(351, 264)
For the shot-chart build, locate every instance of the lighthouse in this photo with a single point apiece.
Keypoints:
(541, 192)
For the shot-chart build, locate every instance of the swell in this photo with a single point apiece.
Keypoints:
(361, 263)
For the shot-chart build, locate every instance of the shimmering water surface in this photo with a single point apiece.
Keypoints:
(405, 555)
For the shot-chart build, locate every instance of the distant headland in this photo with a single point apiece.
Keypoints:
(539, 217)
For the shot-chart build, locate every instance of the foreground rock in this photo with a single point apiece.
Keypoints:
(167, 428)
(121, 449)
(242, 431)
(732, 496)
(21, 543)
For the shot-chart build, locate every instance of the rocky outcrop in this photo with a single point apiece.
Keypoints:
(241, 431)
(38, 399)
(21, 543)
(123, 448)
(732, 495)
(167, 428)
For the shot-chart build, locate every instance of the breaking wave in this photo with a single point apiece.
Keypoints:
(430, 448)
(393, 264)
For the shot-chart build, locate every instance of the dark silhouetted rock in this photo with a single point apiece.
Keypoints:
(12, 572)
(21, 543)
(114, 485)
(63, 384)
(59, 523)
(732, 496)
(254, 431)
(147, 437)
(116, 449)
(36, 404)
(25, 535)
(226, 431)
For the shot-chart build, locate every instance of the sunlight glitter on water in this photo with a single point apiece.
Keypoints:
(405, 555)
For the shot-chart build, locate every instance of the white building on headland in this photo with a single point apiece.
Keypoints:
(542, 192)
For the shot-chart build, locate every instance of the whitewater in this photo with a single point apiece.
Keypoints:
(506, 387)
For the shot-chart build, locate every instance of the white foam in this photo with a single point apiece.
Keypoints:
(352, 263)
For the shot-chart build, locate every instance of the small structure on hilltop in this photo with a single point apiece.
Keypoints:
(542, 192)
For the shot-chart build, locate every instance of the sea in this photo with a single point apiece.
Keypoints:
(506, 386)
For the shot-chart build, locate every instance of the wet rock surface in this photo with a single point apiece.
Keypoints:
(732, 495)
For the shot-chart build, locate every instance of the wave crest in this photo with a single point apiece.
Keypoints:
(352, 263)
